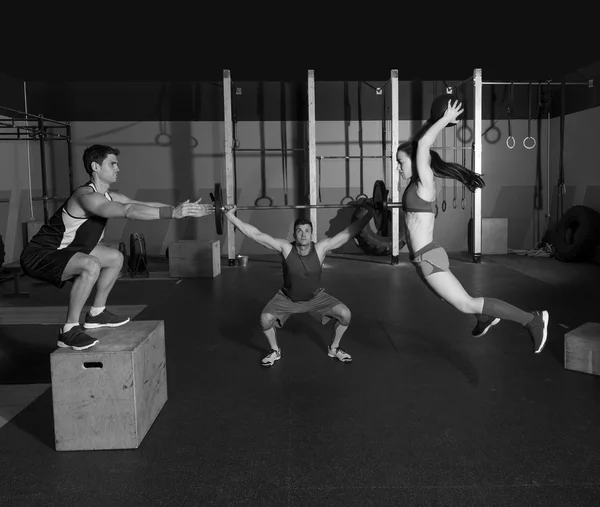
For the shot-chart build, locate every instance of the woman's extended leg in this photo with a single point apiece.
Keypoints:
(447, 286)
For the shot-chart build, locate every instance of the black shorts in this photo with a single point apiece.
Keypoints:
(46, 264)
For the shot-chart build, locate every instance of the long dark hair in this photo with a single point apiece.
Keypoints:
(441, 168)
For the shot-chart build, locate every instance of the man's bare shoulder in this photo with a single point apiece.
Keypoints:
(74, 204)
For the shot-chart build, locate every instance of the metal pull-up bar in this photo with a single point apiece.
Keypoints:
(589, 83)
(28, 116)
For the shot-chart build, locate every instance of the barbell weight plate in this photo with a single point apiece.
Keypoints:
(379, 203)
(219, 214)
(385, 222)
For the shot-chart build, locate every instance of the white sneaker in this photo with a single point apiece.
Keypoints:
(340, 354)
(271, 357)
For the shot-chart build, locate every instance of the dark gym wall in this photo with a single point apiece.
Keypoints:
(12, 93)
(189, 101)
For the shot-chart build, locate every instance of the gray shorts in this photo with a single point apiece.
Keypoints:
(430, 259)
(319, 307)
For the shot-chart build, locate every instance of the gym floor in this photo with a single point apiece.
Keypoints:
(425, 415)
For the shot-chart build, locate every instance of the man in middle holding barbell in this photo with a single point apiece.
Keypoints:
(302, 291)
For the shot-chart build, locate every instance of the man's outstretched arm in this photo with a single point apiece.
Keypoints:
(255, 234)
(342, 237)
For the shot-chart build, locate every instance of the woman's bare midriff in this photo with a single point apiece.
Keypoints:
(419, 229)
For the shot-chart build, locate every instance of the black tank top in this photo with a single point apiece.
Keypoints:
(67, 232)
(301, 274)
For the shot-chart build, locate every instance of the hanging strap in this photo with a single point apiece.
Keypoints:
(510, 140)
(537, 196)
(196, 109)
(234, 116)
(561, 188)
(361, 144)
(455, 161)
(383, 132)
(444, 146)
(464, 164)
(284, 155)
(163, 138)
(532, 143)
(347, 123)
(319, 159)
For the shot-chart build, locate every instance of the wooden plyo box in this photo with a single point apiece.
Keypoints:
(195, 259)
(494, 236)
(582, 348)
(108, 396)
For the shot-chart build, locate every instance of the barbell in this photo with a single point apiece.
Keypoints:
(378, 202)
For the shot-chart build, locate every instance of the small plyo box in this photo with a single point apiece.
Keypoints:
(108, 396)
(582, 348)
(195, 259)
(494, 236)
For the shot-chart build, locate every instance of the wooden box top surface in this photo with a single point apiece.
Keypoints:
(125, 338)
(589, 331)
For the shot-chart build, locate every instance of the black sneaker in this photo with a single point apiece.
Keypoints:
(104, 319)
(483, 325)
(538, 329)
(76, 339)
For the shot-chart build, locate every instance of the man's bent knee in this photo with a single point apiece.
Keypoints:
(266, 321)
(109, 257)
(343, 315)
(82, 264)
(119, 259)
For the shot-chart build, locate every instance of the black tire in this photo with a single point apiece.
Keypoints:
(577, 235)
(1, 252)
(374, 242)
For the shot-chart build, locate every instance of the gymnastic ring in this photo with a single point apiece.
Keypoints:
(260, 199)
(513, 142)
(444, 206)
(454, 203)
(349, 197)
(363, 196)
(463, 204)
(462, 138)
(493, 140)
(525, 143)
(194, 141)
(160, 136)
